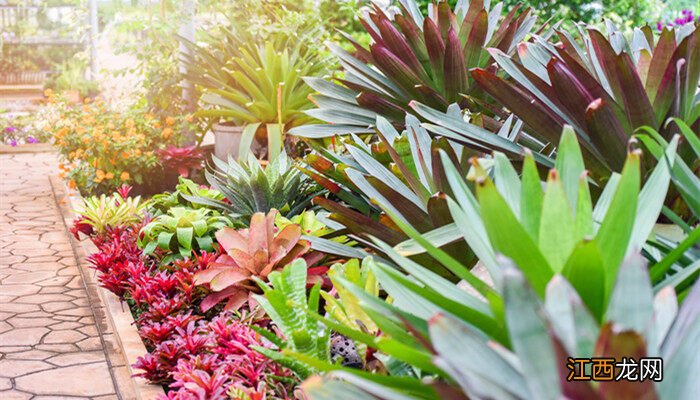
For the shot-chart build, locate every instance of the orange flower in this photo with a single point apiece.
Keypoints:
(170, 121)
(124, 176)
(71, 184)
(125, 155)
(109, 175)
(189, 118)
(48, 93)
(156, 125)
(167, 132)
(99, 176)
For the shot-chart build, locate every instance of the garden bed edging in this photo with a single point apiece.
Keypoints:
(117, 328)
(26, 148)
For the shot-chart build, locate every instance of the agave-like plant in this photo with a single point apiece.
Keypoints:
(413, 58)
(257, 86)
(605, 89)
(249, 253)
(545, 338)
(249, 188)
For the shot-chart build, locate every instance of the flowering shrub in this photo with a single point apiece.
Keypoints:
(102, 148)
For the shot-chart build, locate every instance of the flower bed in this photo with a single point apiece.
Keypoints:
(161, 257)
(456, 139)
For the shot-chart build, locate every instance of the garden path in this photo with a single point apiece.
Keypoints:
(50, 345)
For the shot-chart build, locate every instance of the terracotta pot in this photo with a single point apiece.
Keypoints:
(73, 96)
(227, 140)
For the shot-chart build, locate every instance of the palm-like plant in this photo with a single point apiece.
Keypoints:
(248, 188)
(412, 58)
(258, 86)
(605, 89)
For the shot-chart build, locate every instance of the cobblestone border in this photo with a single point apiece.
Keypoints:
(114, 321)
(26, 148)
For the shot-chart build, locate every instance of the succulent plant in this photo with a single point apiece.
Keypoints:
(247, 254)
(413, 58)
(181, 231)
(249, 188)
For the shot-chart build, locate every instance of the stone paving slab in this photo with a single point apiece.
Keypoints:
(50, 343)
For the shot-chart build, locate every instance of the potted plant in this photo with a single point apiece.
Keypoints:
(70, 80)
(254, 92)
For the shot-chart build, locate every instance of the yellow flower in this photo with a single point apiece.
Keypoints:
(170, 121)
(167, 132)
(137, 152)
(48, 93)
(124, 176)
